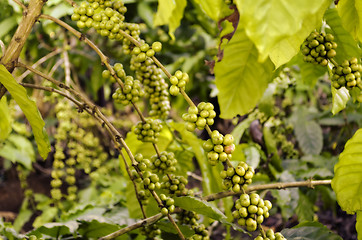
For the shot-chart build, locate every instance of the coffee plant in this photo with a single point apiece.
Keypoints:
(181, 119)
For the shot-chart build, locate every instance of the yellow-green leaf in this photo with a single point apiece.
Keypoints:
(30, 110)
(278, 27)
(347, 181)
(240, 78)
(170, 13)
(359, 225)
(215, 9)
(340, 98)
(5, 122)
(350, 12)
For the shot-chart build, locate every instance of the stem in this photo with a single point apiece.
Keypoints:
(12, 52)
(134, 184)
(139, 224)
(334, 62)
(308, 183)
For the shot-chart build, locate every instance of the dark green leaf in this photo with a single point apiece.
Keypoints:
(30, 110)
(271, 146)
(304, 209)
(56, 230)
(309, 72)
(199, 206)
(240, 78)
(347, 181)
(96, 229)
(168, 227)
(310, 231)
(308, 132)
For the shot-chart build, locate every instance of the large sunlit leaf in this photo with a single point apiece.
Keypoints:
(310, 231)
(347, 181)
(268, 23)
(30, 110)
(347, 46)
(240, 78)
(5, 123)
(215, 9)
(350, 12)
(340, 98)
(170, 13)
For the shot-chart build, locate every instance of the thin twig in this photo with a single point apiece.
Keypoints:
(20, 4)
(38, 63)
(308, 183)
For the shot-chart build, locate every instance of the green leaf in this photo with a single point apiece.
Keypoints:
(96, 229)
(283, 22)
(210, 175)
(18, 149)
(5, 123)
(304, 209)
(308, 133)
(168, 227)
(271, 145)
(347, 46)
(350, 12)
(23, 216)
(239, 130)
(6, 25)
(30, 110)
(310, 231)
(240, 78)
(215, 9)
(309, 72)
(340, 98)
(347, 181)
(199, 206)
(359, 225)
(56, 230)
(171, 13)
(252, 156)
(47, 216)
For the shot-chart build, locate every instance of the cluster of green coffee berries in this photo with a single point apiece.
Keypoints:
(238, 177)
(164, 164)
(155, 86)
(347, 75)
(151, 181)
(270, 235)
(251, 210)
(149, 130)
(107, 17)
(200, 116)
(145, 51)
(175, 185)
(219, 147)
(130, 92)
(201, 232)
(178, 81)
(188, 217)
(318, 48)
(151, 231)
(167, 206)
